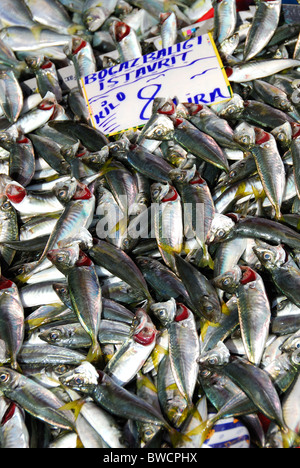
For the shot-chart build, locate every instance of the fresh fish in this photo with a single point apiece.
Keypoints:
(35, 399)
(131, 356)
(202, 293)
(263, 27)
(9, 231)
(86, 299)
(83, 58)
(14, 432)
(254, 70)
(53, 15)
(253, 306)
(11, 95)
(21, 38)
(126, 40)
(95, 12)
(107, 394)
(168, 223)
(268, 159)
(284, 274)
(168, 29)
(16, 15)
(12, 330)
(225, 19)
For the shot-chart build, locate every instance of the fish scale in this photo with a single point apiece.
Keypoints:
(230, 346)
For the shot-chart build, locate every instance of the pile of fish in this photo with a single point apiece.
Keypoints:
(149, 288)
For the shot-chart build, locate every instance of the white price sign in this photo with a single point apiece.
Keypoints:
(121, 97)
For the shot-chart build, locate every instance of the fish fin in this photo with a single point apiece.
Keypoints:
(95, 354)
(145, 381)
(225, 309)
(75, 405)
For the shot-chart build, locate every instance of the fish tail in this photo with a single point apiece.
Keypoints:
(290, 438)
(15, 365)
(95, 354)
(75, 29)
(177, 438)
(75, 405)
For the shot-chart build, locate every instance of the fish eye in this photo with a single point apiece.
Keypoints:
(54, 336)
(61, 369)
(245, 139)
(148, 433)
(258, 266)
(233, 174)
(205, 373)
(78, 380)
(226, 281)
(62, 193)
(4, 377)
(213, 360)
(281, 136)
(282, 305)
(6, 205)
(158, 132)
(221, 233)
(209, 308)
(161, 312)
(126, 243)
(267, 256)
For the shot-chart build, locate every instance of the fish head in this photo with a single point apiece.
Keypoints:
(6, 208)
(64, 258)
(49, 102)
(292, 343)
(229, 281)
(165, 311)
(221, 227)
(231, 109)
(15, 193)
(283, 134)
(8, 379)
(69, 153)
(270, 256)
(119, 148)
(211, 308)
(142, 329)
(62, 291)
(52, 336)
(6, 139)
(180, 175)
(182, 111)
(147, 432)
(65, 190)
(244, 135)
(164, 106)
(295, 358)
(177, 409)
(95, 160)
(160, 127)
(159, 191)
(82, 378)
(34, 63)
(218, 356)
(94, 18)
